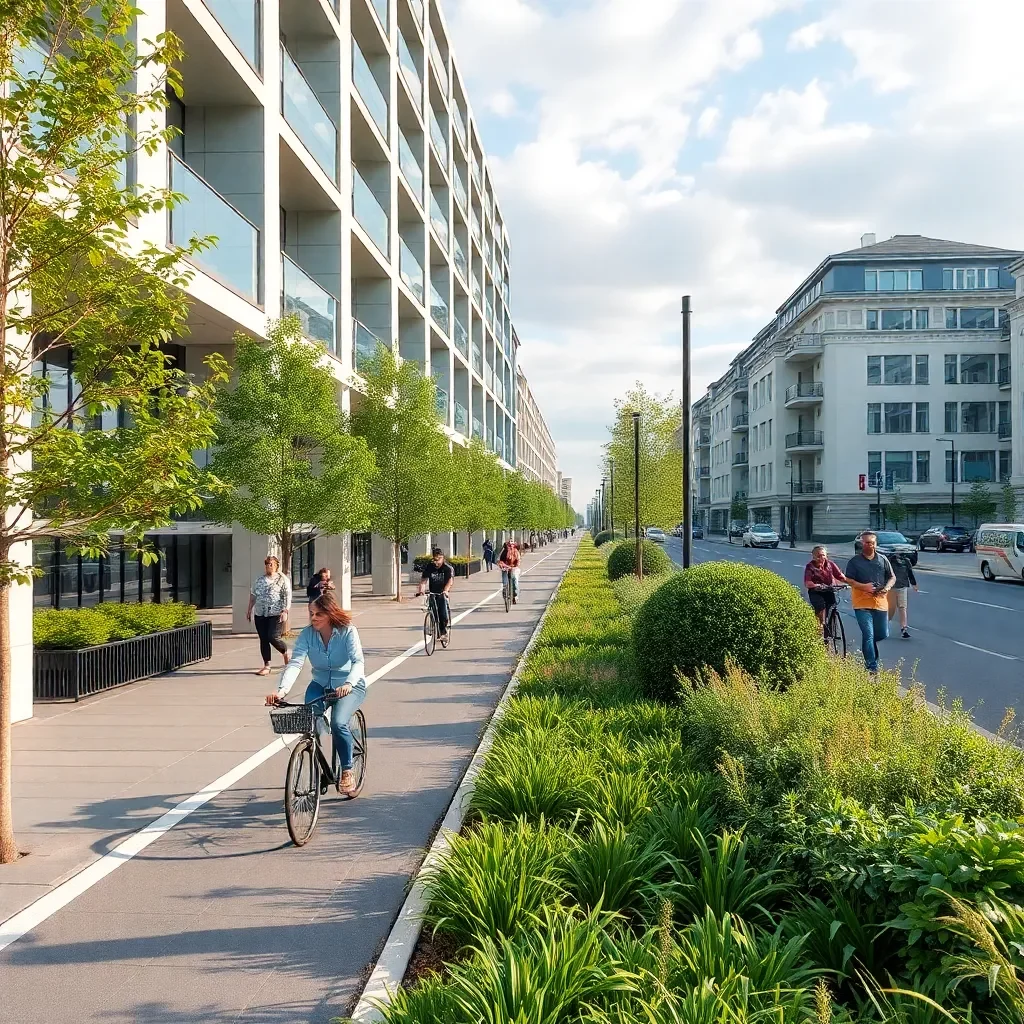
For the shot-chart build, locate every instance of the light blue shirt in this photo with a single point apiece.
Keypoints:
(335, 664)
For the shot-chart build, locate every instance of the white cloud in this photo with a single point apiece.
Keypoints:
(708, 121)
(807, 37)
(502, 103)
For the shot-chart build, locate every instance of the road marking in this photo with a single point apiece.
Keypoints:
(56, 899)
(995, 654)
(985, 604)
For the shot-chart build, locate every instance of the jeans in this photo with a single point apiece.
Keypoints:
(874, 626)
(440, 603)
(514, 573)
(268, 627)
(489, 562)
(340, 713)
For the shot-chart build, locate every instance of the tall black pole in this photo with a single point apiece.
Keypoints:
(604, 506)
(792, 509)
(636, 496)
(687, 440)
(878, 481)
(952, 483)
(611, 507)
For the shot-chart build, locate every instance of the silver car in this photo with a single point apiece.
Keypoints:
(760, 535)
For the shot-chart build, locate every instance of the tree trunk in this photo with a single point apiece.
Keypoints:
(398, 570)
(286, 553)
(8, 846)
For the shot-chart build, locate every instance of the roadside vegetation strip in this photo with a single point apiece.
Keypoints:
(740, 853)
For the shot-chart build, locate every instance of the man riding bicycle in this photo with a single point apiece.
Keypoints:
(508, 563)
(821, 574)
(438, 576)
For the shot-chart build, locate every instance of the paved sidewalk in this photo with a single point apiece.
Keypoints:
(222, 919)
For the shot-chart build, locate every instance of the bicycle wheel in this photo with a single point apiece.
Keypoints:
(429, 632)
(302, 792)
(359, 752)
(506, 592)
(836, 634)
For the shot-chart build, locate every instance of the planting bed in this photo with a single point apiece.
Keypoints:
(734, 854)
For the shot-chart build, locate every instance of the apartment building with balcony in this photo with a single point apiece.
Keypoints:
(536, 455)
(700, 461)
(891, 362)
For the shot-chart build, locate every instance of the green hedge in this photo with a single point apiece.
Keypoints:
(604, 536)
(721, 612)
(74, 628)
(420, 562)
(622, 560)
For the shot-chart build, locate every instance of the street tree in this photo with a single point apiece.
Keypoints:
(480, 484)
(291, 466)
(1009, 503)
(414, 490)
(979, 503)
(97, 422)
(897, 512)
(738, 509)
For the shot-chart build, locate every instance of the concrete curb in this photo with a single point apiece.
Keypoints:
(400, 944)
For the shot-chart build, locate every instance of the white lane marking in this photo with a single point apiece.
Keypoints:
(985, 604)
(24, 921)
(995, 654)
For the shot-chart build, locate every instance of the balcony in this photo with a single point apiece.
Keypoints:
(805, 441)
(459, 258)
(307, 117)
(235, 259)
(442, 404)
(807, 487)
(477, 293)
(460, 126)
(369, 214)
(461, 196)
(410, 166)
(364, 346)
(240, 20)
(741, 422)
(478, 428)
(741, 385)
(1005, 431)
(704, 472)
(740, 458)
(704, 439)
(462, 419)
(410, 72)
(439, 310)
(369, 91)
(439, 221)
(437, 59)
(381, 7)
(1004, 378)
(439, 138)
(461, 337)
(411, 270)
(314, 305)
(478, 360)
(803, 347)
(805, 394)
(417, 11)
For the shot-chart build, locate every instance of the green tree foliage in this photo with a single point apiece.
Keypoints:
(531, 506)
(622, 560)
(115, 451)
(738, 509)
(897, 511)
(283, 447)
(979, 503)
(1008, 503)
(661, 459)
(480, 499)
(415, 487)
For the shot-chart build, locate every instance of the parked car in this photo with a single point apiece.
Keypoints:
(945, 538)
(655, 533)
(889, 543)
(698, 533)
(760, 535)
(737, 529)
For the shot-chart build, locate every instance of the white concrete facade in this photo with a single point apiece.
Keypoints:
(537, 458)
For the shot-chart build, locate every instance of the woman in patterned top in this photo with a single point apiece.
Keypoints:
(270, 598)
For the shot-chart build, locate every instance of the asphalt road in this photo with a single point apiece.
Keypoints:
(966, 635)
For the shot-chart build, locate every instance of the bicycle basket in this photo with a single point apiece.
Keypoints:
(292, 721)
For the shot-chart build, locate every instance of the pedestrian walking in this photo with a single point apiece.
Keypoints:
(900, 594)
(320, 584)
(269, 601)
(870, 577)
(488, 554)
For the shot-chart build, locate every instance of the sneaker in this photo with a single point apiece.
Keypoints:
(906, 633)
(347, 782)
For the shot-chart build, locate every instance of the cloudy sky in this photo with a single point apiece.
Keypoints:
(643, 149)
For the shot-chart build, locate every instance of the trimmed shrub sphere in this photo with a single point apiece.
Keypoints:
(724, 611)
(622, 560)
(604, 536)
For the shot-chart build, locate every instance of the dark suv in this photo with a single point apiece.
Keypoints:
(945, 538)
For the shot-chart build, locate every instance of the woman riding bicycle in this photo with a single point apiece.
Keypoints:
(821, 574)
(331, 645)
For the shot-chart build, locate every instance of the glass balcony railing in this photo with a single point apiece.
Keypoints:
(369, 214)
(235, 258)
(442, 404)
(307, 117)
(477, 294)
(368, 89)
(439, 309)
(474, 223)
(411, 270)
(478, 359)
(490, 438)
(240, 19)
(313, 304)
(364, 346)
(381, 7)
(439, 220)
(461, 419)
(459, 258)
(410, 166)
(417, 11)
(437, 59)
(476, 171)
(460, 126)
(489, 311)
(439, 137)
(461, 195)
(478, 428)
(461, 337)
(410, 72)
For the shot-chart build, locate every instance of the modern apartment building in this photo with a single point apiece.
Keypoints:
(890, 364)
(537, 458)
(565, 489)
(330, 147)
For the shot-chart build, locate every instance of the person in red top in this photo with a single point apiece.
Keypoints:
(508, 563)
(820, 575)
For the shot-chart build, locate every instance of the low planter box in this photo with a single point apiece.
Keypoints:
(72, 675)
(467, 568)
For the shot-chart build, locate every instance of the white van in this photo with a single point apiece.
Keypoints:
(1000, 548)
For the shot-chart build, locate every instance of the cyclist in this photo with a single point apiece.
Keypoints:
(821, 574)
(331, 645)
(438, 576)
(871, 578)
(508, 563)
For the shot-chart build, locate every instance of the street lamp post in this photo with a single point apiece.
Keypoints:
(792, 507)
(636, 497)
(611, 473)
(686, 439)
(951, 441)
(604, 506)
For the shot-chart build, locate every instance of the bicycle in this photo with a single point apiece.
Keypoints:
(309, 774)
(506, 589)
(431, 628)
(835, 633)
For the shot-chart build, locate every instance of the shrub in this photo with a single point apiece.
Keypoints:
(604, 536)
(622, 560)
(128, 620)
(632, 593)
(69, 628)
(721, 612)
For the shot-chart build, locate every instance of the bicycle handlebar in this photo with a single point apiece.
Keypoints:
(327, 695)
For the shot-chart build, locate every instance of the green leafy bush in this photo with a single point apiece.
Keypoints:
(622, 560)
(632, 592)
(139, 619)
(75, 628)
(721, 612)
(604, 536)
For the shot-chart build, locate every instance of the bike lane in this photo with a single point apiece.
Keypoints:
(221, 918)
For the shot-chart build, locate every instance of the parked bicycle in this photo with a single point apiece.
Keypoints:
(431, 626)
(309, 774)
(835, 633)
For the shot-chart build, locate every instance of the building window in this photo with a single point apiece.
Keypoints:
(874, 417)
(768, 381)
(899, 468)
(893, 280)
(769, 441)
(921, 422)
(950, 422)
(874, 369)
(978, 369)
(921, 319)
(830, 321)
(971, 318)
(1004, 467)
(897, 319)
(874, 465)
(950, 468)
(1004, 416)
(872, 321)
(965, 279)
(769, 476)
(923, 467)
(978, 466)
(950, 369)
(977, 417)
(842, 318)
(898, 417)
(856, 317)
(920, 369)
